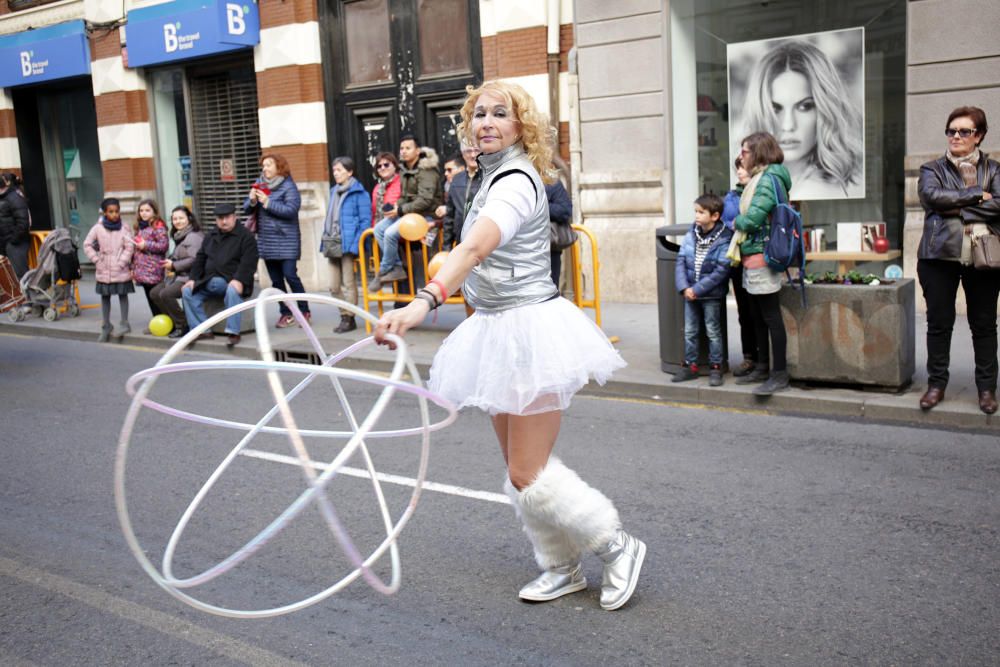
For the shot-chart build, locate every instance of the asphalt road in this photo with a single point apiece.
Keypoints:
(772, 540)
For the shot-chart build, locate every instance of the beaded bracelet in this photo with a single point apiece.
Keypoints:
(427, 298)
(437, 301)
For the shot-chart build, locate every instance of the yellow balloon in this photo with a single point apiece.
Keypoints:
(412, 226)
(437, 261)
(161, 325)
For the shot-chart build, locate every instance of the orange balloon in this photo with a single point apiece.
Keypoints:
(413, 226)
(437, 261)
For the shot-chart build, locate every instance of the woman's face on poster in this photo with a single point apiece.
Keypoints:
(795, 110)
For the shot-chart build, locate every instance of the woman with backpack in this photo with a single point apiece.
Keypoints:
(762, 157)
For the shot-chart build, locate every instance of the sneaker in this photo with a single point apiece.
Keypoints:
(394, 274)
(756, 376)
(374, 285)
(745, 368)
(777, 382)
(232, 340)
(715, 376)
(285, 321)
(685, 373)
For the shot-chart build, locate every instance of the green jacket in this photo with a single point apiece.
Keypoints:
(756, 221)
(420, 187)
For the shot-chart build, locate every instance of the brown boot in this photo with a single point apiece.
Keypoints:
(347, 323)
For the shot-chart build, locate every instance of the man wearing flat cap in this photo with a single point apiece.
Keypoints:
(223, 267)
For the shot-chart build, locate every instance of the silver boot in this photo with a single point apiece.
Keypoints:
(555, 583)
(622, 558)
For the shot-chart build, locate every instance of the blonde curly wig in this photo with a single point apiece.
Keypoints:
(537, 136)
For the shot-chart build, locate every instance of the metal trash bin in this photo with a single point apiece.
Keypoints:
(671, 307)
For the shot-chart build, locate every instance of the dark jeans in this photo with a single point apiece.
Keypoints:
(284, 271)
(556, 265)
(768, 324)
(744, 311)
(939, 279)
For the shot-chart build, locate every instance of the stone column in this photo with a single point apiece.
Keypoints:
(950, 64)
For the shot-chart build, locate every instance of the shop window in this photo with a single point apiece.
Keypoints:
(719, 54)
(369, 58)
(444, 36)
(173, 154)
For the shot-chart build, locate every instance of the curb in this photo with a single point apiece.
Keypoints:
(957, 414)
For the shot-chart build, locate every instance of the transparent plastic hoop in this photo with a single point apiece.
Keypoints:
(141, 384)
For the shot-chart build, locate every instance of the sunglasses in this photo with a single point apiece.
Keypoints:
(383, 165)
(965, 132)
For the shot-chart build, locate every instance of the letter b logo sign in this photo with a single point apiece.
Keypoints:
(25, 63)
(170, 37)
(234, 17)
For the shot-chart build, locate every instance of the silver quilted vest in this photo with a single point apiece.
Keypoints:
(518, 273)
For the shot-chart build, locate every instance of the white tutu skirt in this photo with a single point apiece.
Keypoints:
(523, 360)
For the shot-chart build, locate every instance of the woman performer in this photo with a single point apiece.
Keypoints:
(526, 350)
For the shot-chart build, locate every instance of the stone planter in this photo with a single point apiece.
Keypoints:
(851, 334)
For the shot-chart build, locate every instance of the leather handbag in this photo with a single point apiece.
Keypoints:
(561, 236)
(986, 251)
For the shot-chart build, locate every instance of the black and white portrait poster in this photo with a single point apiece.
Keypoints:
(809, 92)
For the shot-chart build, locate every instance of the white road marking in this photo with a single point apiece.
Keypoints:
(137, 613)
(383, 477)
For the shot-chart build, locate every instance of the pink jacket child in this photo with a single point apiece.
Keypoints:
(146, 262)
(111, 252)
(109, 246)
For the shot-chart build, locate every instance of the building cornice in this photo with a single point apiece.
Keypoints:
(41, 16)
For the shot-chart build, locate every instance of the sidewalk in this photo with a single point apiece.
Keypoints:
(637, 329)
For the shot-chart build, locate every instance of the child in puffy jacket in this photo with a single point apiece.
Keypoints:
(109, 246)
(151, 245)
(702, 277)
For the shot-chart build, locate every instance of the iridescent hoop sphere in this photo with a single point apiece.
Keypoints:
(141, 384)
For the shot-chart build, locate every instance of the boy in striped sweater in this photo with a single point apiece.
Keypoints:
(702, 276)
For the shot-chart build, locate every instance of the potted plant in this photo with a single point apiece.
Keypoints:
(854, 329)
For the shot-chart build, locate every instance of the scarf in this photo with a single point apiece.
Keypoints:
(966, 166)
(733, 254)
(380, 194)
(178, 235)
(143, 224)
(111, 226)
(333, 212)
(272, 184)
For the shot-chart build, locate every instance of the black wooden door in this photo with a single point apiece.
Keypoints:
(393, 67)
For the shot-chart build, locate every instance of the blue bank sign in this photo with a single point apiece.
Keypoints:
(54, 52)
(190, 29)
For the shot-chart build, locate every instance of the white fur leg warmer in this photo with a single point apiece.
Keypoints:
(558, 498)
(553, 547)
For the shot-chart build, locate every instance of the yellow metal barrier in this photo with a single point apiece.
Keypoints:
(37, 239)
(577, 269)
(396, 295)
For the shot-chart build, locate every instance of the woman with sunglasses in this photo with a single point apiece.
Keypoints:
(959, 194)
(387, 191)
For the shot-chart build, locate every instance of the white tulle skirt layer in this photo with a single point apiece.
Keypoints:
(524, 360)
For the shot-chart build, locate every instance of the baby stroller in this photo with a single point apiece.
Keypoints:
(50, 287)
